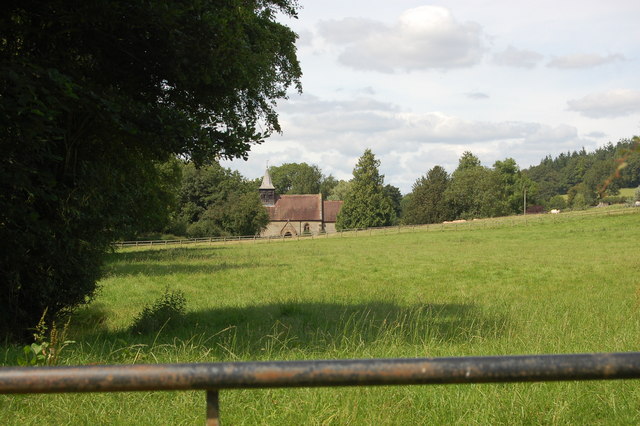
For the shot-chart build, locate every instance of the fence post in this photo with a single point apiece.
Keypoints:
(213, 408)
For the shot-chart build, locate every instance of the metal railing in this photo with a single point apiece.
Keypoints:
(214, 377)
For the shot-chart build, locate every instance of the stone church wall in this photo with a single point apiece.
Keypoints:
(279, 228)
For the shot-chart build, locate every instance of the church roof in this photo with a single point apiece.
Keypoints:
(266, 181)
(297, 207)
(331, 209)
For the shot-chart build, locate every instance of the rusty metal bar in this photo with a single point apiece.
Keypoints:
(213, 408)
(235, 375)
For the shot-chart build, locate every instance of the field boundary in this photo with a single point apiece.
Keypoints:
(213, 377)
(488, 223)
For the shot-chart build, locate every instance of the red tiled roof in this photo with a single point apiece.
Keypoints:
(297, 207)
(331, 209)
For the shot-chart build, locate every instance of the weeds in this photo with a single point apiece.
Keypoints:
(47, 345)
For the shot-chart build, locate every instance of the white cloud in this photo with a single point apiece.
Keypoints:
(614, 103)
(334, 133)
(348, 30)
(582, 61)
(427, 37)
(518, 58)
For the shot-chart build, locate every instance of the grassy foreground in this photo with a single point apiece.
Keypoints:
(554, 286)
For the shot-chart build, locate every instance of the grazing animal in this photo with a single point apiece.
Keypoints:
(554, 211)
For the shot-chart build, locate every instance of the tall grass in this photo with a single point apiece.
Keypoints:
(553, 286)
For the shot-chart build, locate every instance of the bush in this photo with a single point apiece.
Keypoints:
(168, 308)
(614, 200)
(557, 202)
(535, 209)
(579, 202)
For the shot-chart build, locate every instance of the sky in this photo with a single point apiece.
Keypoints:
(420, 82)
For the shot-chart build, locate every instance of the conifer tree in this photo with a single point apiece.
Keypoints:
(427, 203)
(367, 204)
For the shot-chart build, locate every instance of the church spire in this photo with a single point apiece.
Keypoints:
(266, 180)
(267, 190)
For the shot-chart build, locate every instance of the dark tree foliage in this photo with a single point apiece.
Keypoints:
(474, 192)
(327, 185)
(602, 172)
(366, 204)
(427, 203)
(94, 95)
(214, 201)
(395, 196)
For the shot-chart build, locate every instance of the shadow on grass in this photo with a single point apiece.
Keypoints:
(144, 254)
(256, 332)
(176, 260)
(154, 269)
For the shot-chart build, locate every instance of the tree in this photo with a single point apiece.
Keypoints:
(341, 191)
(395, 196)
(239, 214)
(94, 95)
(214, 201)
(603, 171)
(366, 204)
(327, 185)
(427, 203)
(557, 202)
(599, 179)
(580, 196)
(296, 178)
(474, 190)
(511, 186)
(468, 161)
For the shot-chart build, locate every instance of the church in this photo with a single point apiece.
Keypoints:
(293, 215)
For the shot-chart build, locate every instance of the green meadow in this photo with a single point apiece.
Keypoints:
(567, 283)
(628, 192)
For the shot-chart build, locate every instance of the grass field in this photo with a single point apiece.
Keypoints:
(561, 284)
(628, 192)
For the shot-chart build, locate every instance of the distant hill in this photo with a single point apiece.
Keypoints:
(588, 172)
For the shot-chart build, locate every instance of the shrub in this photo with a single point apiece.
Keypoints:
(614, 200)
(557, 202)
(535, 209)
(168, 308)
(579, 202)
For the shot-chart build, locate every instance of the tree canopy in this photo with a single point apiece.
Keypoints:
(427, 203)
(366, 204)
(591, 175)
(94, 96)
(214, 201)
(296, 178)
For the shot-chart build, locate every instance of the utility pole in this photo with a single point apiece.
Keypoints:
(524, 205)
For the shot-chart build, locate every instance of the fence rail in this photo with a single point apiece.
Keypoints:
(214, 377)
(447, 226)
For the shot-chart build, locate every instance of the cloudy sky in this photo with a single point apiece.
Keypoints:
(420, 82)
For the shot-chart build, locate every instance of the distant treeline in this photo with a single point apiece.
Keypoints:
(215, 201)
(588, 177)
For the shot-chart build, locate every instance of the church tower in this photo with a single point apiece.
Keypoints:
(267, 190)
